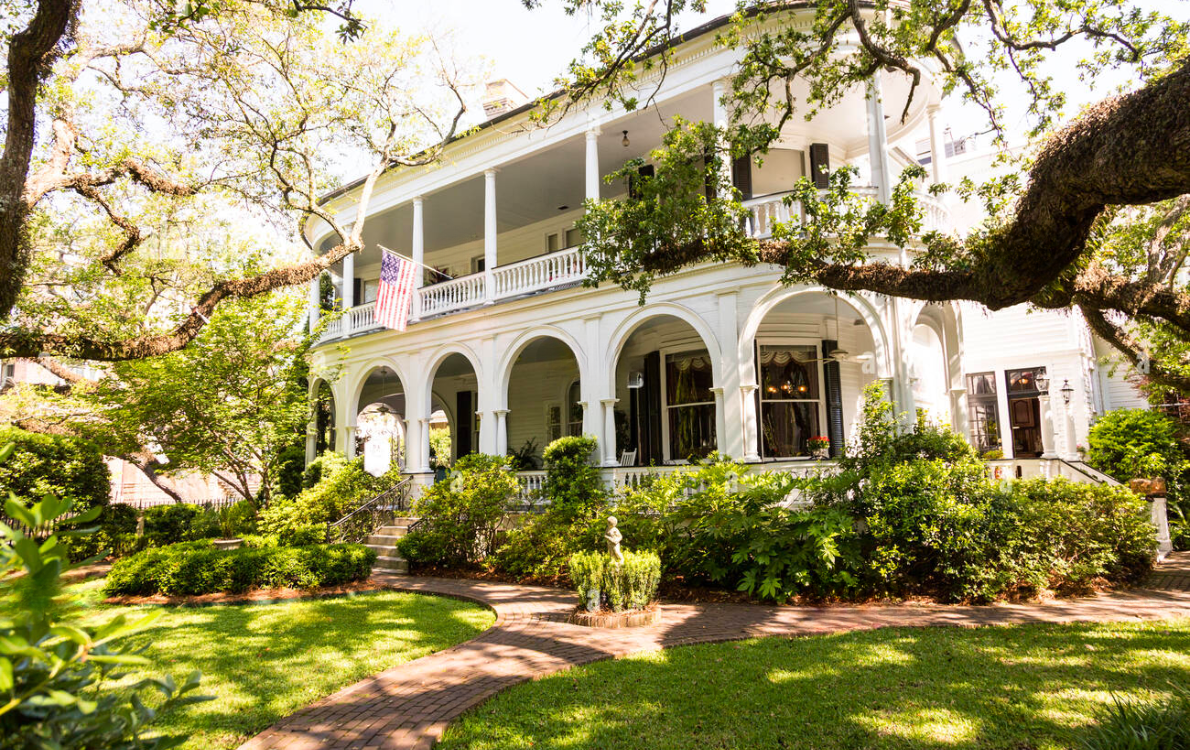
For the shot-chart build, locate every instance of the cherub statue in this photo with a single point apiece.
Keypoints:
(613, 537)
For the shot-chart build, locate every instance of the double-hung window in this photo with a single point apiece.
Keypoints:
(689, 405)
(982, 411)
(790, 398)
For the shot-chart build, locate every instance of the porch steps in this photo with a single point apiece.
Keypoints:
(384, 542)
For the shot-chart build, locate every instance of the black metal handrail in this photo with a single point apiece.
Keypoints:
(371, 515)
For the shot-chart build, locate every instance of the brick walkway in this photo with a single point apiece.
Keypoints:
(409, 706)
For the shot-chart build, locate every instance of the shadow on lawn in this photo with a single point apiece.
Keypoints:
(1019, 687)
(263, 661)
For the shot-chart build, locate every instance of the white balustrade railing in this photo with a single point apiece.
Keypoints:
(360, 318)
(536, 274)
(455, 294)
(767, 210)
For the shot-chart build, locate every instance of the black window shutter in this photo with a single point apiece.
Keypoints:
(650, 418)
(820, 165)
(356, 294)
(741, 176)
(464, 413)
(834, 400)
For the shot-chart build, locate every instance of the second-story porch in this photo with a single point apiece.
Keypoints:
(497, 221)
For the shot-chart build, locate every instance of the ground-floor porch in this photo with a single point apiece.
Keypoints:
(719, 359)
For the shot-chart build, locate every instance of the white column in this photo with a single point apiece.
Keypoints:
(878, 143)
(719, 113)
(593, 381)
(349, 445)
(312, 440)
(610, 457)
(489, 234)
(501, 431)
(729, 411)
(418, 245)
(348, 290)
(1047, 427)
(937, 145)
(417, 435)
(315, 301)
(593, 134)
(423, 445)
(751, 424)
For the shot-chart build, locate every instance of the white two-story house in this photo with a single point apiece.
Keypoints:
(509, 350)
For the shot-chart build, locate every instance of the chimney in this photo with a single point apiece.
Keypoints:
(501, 96)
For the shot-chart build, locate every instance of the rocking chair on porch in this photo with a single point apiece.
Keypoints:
(627, 458)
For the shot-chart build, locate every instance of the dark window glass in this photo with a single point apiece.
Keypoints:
(690, 404)
(1024, 381)
(574, 410)
(983, 411)
(789, 399)
(688, 378)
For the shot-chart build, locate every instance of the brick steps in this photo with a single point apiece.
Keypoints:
(384, 542)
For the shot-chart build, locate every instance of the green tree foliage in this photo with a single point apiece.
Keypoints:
(227, 405)
(1048, 240)
(64, 684)
(340, 487)
(58, 465)
(1144, 443)
(461, 514)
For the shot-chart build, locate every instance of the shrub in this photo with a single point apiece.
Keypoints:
(55, 465)
(1066, 534)
(461, 514)
(115, 534)
(1128, 725)
(62, 679)
(291, 467)
(341, 488)
(198, 568)
(626, 586)
(573, 484)
(167, 524)
(1132, 443)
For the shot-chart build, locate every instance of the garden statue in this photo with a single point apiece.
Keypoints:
(613, 537)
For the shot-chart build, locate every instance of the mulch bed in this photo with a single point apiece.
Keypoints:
(253, 596)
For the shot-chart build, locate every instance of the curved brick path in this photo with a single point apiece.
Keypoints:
(410, 705)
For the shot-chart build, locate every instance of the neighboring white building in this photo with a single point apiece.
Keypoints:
(722, 357)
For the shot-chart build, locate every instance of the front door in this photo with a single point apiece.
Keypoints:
(1024, 411)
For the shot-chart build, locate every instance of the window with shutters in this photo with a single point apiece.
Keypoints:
(689, 405)
(791, 403)
(574, 410)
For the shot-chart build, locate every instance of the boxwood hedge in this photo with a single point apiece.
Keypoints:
(193, 568)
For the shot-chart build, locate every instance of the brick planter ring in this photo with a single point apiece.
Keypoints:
(638, 618)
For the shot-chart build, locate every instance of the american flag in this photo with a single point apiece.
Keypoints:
(396, 291)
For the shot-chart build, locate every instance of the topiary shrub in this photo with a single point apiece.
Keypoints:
(291, 467)
(55, 465)
(630, 585)
(461, 514)
(195, 568)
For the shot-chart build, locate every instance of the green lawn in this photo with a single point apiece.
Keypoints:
(1027, 687)
(265, 661)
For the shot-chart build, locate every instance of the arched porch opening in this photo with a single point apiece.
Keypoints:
(543, 399)
(322, 404)
(380, 420)
(454, 423)
(813, 352)
(927, 374)
(668, 399)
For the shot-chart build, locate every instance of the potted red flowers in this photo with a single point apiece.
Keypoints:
(819, 446)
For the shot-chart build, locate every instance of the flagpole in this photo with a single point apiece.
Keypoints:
(414, 262)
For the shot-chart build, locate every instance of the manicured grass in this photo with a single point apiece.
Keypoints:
(1026, 687)
(265, 661)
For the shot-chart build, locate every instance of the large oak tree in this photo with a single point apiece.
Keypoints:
(1116, 174)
